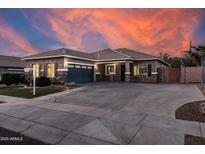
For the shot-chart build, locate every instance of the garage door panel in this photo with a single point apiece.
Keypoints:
(80, 75)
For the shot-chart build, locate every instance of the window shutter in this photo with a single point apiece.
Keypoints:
(149, 69)
(40, 73)
(131, 69)
(56, 69)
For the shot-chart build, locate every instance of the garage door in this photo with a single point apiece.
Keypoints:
(80, 73)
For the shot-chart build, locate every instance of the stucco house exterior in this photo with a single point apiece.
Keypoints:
(67, 65)
(10, 64)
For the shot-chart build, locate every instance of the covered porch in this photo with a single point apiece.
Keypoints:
(113, 71)
(128, 71)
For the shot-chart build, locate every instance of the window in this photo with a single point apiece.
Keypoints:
(50, 70)
(89, 67)
(84, 67)
(71, 66)
(77, 66)
(140, 70)
(37, 70)
(143, 70)
(110, 69)
(149, 69)
(136, 70)
(60, 65)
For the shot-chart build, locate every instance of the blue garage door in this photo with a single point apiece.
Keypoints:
(80, 73)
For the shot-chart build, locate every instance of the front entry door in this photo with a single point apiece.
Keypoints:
(123, 72)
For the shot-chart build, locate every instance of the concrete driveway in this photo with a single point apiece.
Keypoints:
(105, 113)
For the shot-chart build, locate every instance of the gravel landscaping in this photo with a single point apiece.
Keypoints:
(194, 140)
(190, 112)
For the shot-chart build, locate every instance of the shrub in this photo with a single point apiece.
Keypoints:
(22, 79)
(43, 81)
(11, 78)
(7, 79)
(16, 78)
(27, 82)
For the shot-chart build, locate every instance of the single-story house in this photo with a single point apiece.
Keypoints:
(10, 64)
(67, 65)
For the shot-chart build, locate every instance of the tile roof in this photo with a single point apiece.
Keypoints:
(60, 52)
(13, 62)
(103, 55)
(108, 54)
(135, 54)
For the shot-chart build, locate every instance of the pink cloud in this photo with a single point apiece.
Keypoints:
(150, 30)
(14, 39)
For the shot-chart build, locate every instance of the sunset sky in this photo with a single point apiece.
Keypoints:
(29, 31)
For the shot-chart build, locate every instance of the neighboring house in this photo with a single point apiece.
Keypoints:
(66, 65)
(9, 64)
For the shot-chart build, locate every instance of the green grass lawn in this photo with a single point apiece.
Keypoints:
(28, 92)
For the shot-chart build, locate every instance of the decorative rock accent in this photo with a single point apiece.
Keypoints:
(127, 77)
(146, 79)
(202, 129)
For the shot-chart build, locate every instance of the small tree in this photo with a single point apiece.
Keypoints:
(197, 55)
(175, 62)
(165, 56)
(189, 61)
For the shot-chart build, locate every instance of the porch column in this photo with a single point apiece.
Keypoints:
(127, 71)
(94, 72)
